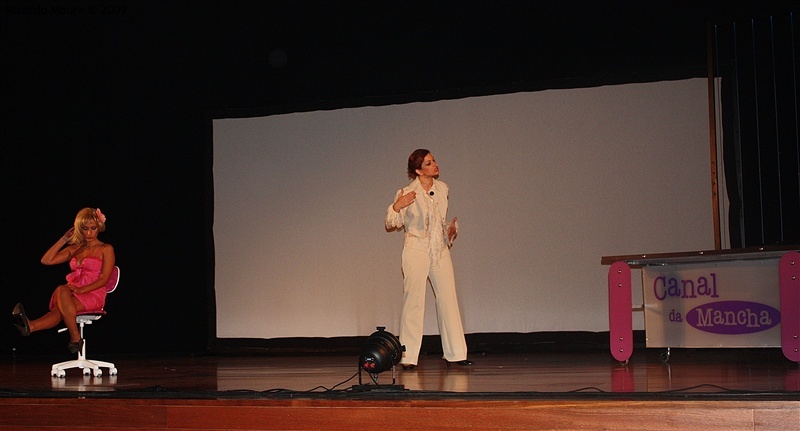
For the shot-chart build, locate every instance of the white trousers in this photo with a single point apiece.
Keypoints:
(417, 269)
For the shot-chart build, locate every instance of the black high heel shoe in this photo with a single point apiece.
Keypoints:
(464, 363)
(21, 321)
(76, 346)
(408, 367)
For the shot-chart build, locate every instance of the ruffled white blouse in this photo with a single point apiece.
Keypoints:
(425, 221)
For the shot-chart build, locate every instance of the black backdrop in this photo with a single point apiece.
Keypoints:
(757, 62)
(107, 103)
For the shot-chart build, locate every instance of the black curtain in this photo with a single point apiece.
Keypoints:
(757, 61)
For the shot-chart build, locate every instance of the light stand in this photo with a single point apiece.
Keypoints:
(380, 353)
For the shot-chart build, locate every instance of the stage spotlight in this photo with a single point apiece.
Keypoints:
(380, 353)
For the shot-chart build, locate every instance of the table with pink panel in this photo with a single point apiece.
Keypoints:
(733, 298)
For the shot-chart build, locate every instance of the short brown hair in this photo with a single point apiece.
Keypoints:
(415, 162)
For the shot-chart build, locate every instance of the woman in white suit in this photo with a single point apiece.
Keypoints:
(420, 210)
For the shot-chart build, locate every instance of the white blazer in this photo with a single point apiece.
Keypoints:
(416, 218)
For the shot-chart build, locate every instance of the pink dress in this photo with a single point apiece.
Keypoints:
(86, 272)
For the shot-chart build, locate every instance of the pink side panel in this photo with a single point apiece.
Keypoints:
(789, 269)
(620, 313)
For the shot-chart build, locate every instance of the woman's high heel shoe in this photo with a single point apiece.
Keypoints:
(464, 363)
(21, 321)
(76, 346)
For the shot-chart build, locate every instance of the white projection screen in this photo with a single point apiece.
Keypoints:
(543, 184)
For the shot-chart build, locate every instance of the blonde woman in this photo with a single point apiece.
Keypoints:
(91, 262)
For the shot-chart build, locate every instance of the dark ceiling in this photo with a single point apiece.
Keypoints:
(231, 54)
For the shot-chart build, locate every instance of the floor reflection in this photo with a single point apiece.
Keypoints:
(593, 372)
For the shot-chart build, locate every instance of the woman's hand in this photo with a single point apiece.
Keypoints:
(61, 251)
(452, 229)
(404, 200)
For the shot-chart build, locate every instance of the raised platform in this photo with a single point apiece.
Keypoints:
(712, 389)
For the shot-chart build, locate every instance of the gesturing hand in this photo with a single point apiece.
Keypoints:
(452, 229)
(404, 200)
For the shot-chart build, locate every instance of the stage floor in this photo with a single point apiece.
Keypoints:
(716, 373)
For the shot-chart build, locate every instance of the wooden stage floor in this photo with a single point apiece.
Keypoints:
(708, 389)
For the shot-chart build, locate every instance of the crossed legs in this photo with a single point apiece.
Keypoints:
(66, 308)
